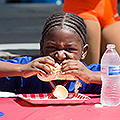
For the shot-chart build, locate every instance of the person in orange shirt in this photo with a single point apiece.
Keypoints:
(103, 25)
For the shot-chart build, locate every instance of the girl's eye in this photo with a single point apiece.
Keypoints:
(51, 48)
(71, 49)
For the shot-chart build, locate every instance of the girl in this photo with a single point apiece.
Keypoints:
(63, 42)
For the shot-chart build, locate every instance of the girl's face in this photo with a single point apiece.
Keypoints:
(62, 44)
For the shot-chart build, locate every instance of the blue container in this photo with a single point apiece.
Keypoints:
(1, 114)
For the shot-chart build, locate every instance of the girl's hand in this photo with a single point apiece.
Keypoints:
(36, 66)
(80, 71)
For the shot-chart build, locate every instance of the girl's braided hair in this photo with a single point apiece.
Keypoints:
(62, 19)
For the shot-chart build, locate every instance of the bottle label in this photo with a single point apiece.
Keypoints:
(111, 70)
(114, 70)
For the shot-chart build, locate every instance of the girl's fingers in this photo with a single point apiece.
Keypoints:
(71, 67)
(46, 60)
(44, 68)
(72, 72)
(42, 73)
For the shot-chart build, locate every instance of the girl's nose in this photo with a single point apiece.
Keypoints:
(60, 55)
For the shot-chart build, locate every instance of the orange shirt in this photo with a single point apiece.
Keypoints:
(104, 11)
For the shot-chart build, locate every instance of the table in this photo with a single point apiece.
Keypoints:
(18, 109)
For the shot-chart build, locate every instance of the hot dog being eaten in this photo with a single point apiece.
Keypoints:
(56, 74)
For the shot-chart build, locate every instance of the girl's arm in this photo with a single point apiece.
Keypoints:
(32, 68)
(10, 69)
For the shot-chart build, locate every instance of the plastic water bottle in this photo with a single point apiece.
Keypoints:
(110, 75)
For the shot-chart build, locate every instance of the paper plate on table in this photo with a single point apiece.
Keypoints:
(43, 99)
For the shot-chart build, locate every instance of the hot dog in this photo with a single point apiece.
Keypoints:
(56, 74)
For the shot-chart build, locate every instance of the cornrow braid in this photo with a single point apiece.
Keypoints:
(71, 20)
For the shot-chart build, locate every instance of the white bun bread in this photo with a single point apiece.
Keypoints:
(56, 74)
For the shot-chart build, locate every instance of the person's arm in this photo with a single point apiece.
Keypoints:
(93, 77)
(10, 69)
(32, 68)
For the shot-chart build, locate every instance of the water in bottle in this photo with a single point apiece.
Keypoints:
(110, 75)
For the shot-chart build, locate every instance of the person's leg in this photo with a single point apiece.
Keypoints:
(111, 34)
(94, 40)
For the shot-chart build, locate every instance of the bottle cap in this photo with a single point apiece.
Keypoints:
(110, 46)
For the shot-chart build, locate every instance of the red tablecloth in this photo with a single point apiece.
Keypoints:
(17, 109)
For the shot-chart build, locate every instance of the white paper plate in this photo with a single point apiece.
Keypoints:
(43, 99)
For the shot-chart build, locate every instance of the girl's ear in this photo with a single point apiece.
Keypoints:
(84, 52)
(41, 47)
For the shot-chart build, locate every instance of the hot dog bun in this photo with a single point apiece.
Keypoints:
(56, 74)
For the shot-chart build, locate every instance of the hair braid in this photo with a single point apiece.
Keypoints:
(62, 19)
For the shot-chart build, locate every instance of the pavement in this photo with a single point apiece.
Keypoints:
(21, 25)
